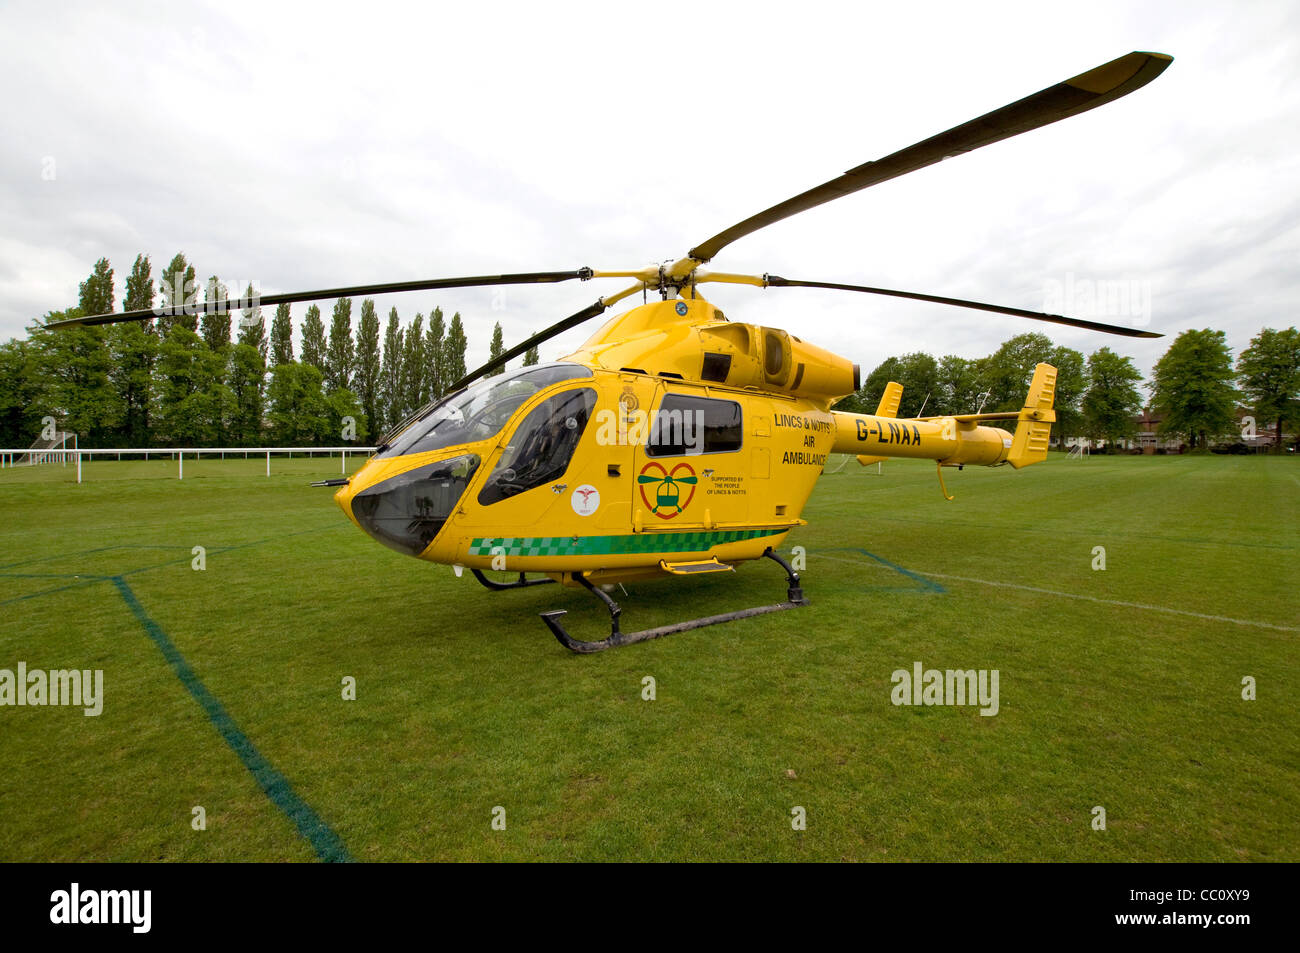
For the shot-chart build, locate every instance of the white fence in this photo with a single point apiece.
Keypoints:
(7, 457)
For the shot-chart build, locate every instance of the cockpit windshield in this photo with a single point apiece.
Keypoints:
(477, 412)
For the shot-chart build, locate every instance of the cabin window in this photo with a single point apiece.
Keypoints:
(542, 446)
(685, 425)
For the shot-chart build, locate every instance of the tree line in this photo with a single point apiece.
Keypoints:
(1195, 387)
(182, 380)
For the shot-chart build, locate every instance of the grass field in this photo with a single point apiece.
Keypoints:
(222, 688)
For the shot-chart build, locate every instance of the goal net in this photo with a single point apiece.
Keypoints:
(51, 450)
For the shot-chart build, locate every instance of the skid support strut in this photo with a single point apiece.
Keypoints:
(794, 599)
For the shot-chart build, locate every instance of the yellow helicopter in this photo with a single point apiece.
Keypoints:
(675, 441)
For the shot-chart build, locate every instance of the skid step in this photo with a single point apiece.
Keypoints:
(695, 566)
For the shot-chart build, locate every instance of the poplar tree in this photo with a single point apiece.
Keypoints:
(341, 355)
(366, 382)
(139, 290)
(392, 397)
(313, 339)
(434, 339)
(495, 350)
(252, 326)
(413, 368)
(133, 349)
(216, 316)
(97, 290)
(179, 288)
(281, 336)
(454, 353)
(531, 356)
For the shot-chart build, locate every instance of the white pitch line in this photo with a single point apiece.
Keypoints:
(1075, 595)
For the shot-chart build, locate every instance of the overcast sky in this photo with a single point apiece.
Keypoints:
(373, 142)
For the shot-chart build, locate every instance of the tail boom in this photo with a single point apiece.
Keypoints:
(959, 440)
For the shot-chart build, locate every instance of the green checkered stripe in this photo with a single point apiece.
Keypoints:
(613, 545)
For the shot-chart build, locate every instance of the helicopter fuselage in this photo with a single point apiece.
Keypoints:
(672, 442)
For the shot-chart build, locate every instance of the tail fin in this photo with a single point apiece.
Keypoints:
(890, 399)
(1029, 444)
(888, 407)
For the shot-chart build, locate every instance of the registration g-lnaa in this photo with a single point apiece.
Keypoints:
(676, 441)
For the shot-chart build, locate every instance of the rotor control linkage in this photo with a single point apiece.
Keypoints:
(617, 637)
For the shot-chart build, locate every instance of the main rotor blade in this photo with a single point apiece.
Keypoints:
(238, 304)
(778, 282)
(559, 327)
(1078, 94)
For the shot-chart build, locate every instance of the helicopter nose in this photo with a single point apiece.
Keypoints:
(407, 511)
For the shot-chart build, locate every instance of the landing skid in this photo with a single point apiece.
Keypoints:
(794, 599)
(521, 583)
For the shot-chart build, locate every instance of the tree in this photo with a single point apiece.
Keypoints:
(1008, 370)
(97, 291)
(252, 326)
(133, 352)
(299, 415)
(139, 289)
(917, 372)
(454, 353)
(24, 390)
(414, 369)
(1192, 385)
(495, 350)
(1071, 382)
(75, 362)
(313, 340)
(367, 369)
(342, 406)
(133, 349)
(392, 395)
(281, 336)
(1112, 400)
(1269, 370)
(960, 385)
(247, 379)
(191, 396)
(216, 316)
(433, 347)
(341, 355)
(179, 289)
(531, 357)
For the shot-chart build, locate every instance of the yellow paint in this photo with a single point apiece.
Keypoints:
(785, 388)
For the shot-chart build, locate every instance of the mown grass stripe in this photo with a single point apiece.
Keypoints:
(327, 844)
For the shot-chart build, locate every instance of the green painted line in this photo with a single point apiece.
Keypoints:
(327, 844)
(624, 545)
(927, 584)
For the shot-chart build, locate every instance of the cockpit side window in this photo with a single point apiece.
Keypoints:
(540, 450)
